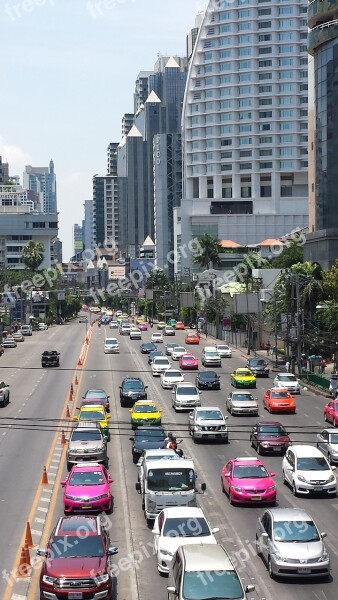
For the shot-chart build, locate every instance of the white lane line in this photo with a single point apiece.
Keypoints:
(54, 467)
(54, 460)
(335, 506)
(38, 520)
(18, 596)
(36, 532)
(45, 499)
(42, 509)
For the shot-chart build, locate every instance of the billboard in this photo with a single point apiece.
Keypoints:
(117, 272)
(39, 296)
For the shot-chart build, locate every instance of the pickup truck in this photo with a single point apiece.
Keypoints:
(50, 358)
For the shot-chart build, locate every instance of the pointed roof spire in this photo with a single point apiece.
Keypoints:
(153, 98)
(134, 132)
(148, 242)
(172, 63)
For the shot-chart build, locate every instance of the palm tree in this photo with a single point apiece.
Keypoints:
(32, 255)
(209, 253)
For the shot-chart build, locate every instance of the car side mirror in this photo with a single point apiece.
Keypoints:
(215, 530)
(108, 397)
(75, 418)
(145, 387)
(138, 486)
(63, 482)
(130, 410)
(333, 467)
(272, 474)
(171, 589)
(323, 534)
(112, 550)
(110, 480)
(203, 487)
(156, 531)
(226, 474)
(41, 552)
(265, 535)
(225, 417)
(249, 588)
(131, 439)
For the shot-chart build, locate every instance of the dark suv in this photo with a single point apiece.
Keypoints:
(77, 560)
(131, 390)
(258, 366)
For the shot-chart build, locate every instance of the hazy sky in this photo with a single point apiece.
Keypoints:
(67, 76)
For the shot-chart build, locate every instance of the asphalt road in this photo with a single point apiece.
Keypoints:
(24, 453)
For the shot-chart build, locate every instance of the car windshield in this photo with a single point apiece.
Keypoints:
(92, 415)
(280, 395)
(133, 385)
(111, 342)
(245, 397)
(255, 362)
(188, 358)
(149, 435)
(242, 373)
(207, 375)
(210, 414)
(271, 430)
(250, 472)
(219, 347)
(87, 478)
(312, 463)
(145, 408)
(95, 394)
(159, 361)
(85, 436)
(75, 546)
(295, 531)
(172, 374)
(222, 585)
(334, 438)
(179, 349)
(186, 391)
(171, 479)
(189, 527)
(287, 378)
(211, 354)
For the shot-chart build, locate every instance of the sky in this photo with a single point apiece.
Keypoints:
(67, 76)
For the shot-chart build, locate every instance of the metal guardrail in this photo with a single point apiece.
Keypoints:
(316, 380)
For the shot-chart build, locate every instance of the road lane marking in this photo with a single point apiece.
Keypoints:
(42, 509)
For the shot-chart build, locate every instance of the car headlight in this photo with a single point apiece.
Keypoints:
(198, 428)
(99, 579)
(301, 478)
(49, 580)
(324, 557)
(272, 488)
(265, 444)
(166, 552)
(151, 505)
(99, 497)
(331, 478)
(70, 497)
(278, 557)
(236, 489)
(223, 428)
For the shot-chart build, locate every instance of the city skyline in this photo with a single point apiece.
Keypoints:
(66, 74)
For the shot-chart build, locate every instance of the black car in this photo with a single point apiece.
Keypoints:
(258, 366)
(152, 355)
(146, 438)
(147, 347)
(131, 390)
(50, 358)
(208, 380)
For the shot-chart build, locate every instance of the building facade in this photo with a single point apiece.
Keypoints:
(105, 211)
(88, 226)
(4, 174)
(244, 125)
(42, 181)
(322, 241)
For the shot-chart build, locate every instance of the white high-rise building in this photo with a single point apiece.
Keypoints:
(245, 123)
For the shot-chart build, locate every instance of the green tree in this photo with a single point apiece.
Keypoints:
(292, 254)
(158, 280)
(32, 255)
(209, 253)
(251, 261)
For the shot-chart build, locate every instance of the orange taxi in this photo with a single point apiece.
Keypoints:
(279, 400)
(192, 338)
(179, 325)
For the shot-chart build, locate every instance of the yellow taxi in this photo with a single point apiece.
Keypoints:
(161, 325)
(243, 378)
(145, 412)
(97, 414)
(141, 319)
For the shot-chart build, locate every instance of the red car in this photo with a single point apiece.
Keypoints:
(192, 338)
(279, 400)
(331, 412)
(179, 325)
(188, 361)
(246, 480)
(77, 557)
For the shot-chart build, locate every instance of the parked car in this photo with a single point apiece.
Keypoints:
(87, 442)
(246, 481)
(208, 423)
(207, 563)
(111, 346)
(188, 362)
(87, 489)
(146, 438)
(145, 412)
(287, 381)
(269, 436)
(179, 525)
(307, 471)
(9, 342)
(4, 393)
(26, 330)
(42, 326)
(89, 568)
(279, 400)
(241, 403)
(289, 542)
(131, 390)
(99, 394)
(18, 336)
(258, 366)
(208, 380)
(185, 396)
(170, 377)
(327, 443)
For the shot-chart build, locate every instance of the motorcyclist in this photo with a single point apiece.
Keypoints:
(333, 389)
(99, 324)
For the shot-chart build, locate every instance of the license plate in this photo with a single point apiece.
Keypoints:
(304, 570)
(318, 488)
(75, 595)
(276, 449)
(86, 507)
(256, 497)
(211, 435)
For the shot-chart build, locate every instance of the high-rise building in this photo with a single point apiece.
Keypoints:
(244, 124)
(141, 90)
(322, 240)
(127, 123)
(77, 239)
(56, 251)
(42, 181)
(4, 175)
(88, 226)
(112, 158)
(105, 211)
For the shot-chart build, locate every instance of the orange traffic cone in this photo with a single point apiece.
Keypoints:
(71, 389)
(67, 413)
(63, 439)
(79, 362)
(44, 480)
(24, 564)
(70, 396)
(76, 380)
(28, 537)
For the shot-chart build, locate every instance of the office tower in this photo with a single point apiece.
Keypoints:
(112, 158)
(244, 124)
(77, 240)
(42, 180)
(322, 240)
(127, 123)
(88, 227)
(105, 211)
(141, 90)
(4, 176)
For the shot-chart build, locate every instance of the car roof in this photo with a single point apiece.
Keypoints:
(185, 384)
(206, 408)
(87, 466)
(305, 450)
(159, 452)
(178, 463)
(131, 379)
(247, 460)
(91, 406)
(206, 557)
(75, 523)
(208, 373)
(279, 390)
(192, 512)
(147, 402)
(94, 390)
(188, 355)
(289, 514)
(273, 423)
(331, 429)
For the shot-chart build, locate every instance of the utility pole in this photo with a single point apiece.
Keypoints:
(299, 333)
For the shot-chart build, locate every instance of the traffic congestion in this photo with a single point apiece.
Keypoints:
(170, 463)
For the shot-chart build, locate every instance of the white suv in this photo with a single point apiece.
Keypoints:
(135, 334)
(306, 470)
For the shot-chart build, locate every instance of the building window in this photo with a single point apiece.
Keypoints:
(287, 151)
(226, 142)
(264, 89)
(265, 50)
(285, 139)
(265, 37)
(265, 165)
(264, 63)
(244, 14)
(265, 127)
(243, 102)
(284, 100)
(225, 103)
(244, 90)
(265, 186)
(245, 115)
(244, 52)
(264, 11)
(285, 23)
(223, 16)
(208, 69)
(244, 77)
(225, 117)
(244, 26)
(39, 225)
(225, 28)
(245, 154)
(226, 187)
(265, 152)
(264, 25)
(226, 129)
(286, 126)
(225, 53)
(226, 167)
(286, 188)
(285, 10)
(225, 67)
(245, 166)
(286, 36)
(226, 154)
(245, 141)
(286, 87)
(267, 139)
(244, 39)
(265, 114)
(262, 76)
(244, 64)
(246, 127)
(265, 101)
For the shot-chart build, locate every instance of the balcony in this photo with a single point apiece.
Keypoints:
(321, 11)
(231, 208)
(321, 35)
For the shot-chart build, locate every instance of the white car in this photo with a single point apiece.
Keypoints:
(179, 525)
(223, 350)
(26, 330)
(169, 330)
(118, 313)
(177, 352)
(207, 423)
(210, 357)
(135, 334)
(170, 377)
(287, 381)
(185, 396)
(307, 470)
(159, 365)
(113, 325)
(157, 338)
(18, 336)
(42, 326)
(111, 346)
(241, 403)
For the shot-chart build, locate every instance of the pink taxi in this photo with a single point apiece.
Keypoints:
(331, 412)
(87, 489)
(142, 326)
(246, 481)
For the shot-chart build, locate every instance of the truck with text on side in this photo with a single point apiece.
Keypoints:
(168, 483)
